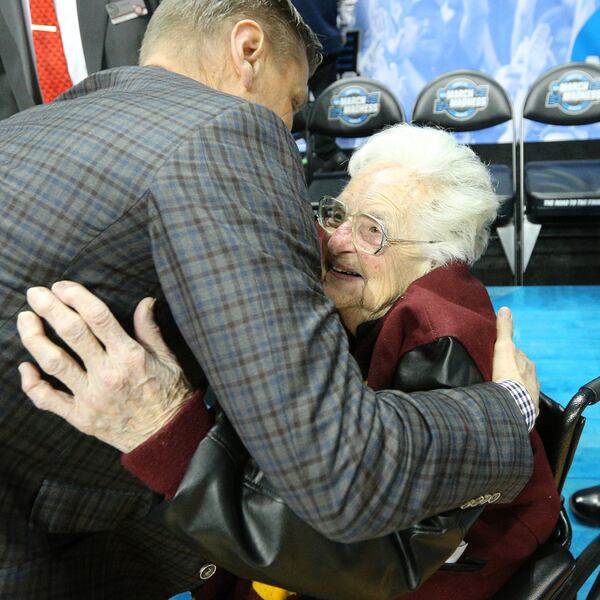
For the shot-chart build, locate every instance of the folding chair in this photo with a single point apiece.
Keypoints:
(467, 100)
(563, 192)
(352, 107)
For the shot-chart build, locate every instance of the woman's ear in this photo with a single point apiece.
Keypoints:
(247, 51)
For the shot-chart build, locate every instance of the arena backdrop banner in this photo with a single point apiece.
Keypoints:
(406, 43)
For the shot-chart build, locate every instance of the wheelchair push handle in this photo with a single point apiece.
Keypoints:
(591, 390)
(587, 395)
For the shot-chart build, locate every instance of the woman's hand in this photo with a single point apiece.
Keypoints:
(128, 389)
(512, 363)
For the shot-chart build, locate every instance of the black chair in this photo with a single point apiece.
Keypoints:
(466, 100)
(552, 573)
(352, 107)
(563, 192)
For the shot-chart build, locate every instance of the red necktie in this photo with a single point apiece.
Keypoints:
(53, 74)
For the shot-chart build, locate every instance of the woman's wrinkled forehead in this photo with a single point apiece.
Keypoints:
(384, 190)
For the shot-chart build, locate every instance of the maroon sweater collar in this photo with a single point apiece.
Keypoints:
(446, 302)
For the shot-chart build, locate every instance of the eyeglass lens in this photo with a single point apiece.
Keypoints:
(368, 234)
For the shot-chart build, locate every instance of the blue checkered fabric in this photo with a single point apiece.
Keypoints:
(523, 400)
(143, 182)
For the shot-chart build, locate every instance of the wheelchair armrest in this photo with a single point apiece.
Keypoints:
(585, 565)
(541, 576)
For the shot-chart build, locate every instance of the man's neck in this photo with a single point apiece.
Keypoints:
(157, 60)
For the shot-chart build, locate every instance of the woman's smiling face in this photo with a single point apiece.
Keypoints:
(363, 286)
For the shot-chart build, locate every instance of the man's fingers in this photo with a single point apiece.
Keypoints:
(43, 395)
(70, 327)
(51, 358)
(504, 325)
(95, 314)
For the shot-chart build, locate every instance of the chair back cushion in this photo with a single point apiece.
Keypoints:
(565, 95)
(354, 107)
(462, 100)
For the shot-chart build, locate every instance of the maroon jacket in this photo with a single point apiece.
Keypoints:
(450, 303)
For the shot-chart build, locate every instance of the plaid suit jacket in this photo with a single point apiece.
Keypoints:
(143, 182)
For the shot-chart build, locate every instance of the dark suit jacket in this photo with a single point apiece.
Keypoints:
(104, 45)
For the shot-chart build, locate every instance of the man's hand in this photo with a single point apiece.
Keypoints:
(510, 362)
(129, 389)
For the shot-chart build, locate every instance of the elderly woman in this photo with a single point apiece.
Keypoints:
(396, 245)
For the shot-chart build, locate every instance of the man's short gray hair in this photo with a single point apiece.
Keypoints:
(185, 24)
(459, 204)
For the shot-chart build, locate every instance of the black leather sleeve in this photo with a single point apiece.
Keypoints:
(441, 364)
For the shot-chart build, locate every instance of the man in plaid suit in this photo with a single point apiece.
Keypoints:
(179, 179)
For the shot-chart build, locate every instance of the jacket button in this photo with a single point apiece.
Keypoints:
(207, 571)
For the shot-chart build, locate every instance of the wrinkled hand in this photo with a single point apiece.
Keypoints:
(129, 389)
(509, 361)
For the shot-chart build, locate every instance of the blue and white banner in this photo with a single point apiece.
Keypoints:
(407, 43)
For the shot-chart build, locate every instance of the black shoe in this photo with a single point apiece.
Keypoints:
(585, 505)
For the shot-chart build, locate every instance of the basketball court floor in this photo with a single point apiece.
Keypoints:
(558, 327)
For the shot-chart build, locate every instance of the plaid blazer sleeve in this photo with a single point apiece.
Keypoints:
(235, 249)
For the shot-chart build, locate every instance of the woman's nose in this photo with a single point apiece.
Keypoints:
(341, 239)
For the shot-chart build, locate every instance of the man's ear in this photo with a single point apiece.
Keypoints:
(247, 50)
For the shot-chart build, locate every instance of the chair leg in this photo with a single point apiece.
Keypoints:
(506, 235)
(529, 236)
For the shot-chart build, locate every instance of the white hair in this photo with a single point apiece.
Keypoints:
(459, 205)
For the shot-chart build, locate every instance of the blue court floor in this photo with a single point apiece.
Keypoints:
(558, 327)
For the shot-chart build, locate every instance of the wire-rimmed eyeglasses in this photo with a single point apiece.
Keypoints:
(368, 232)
